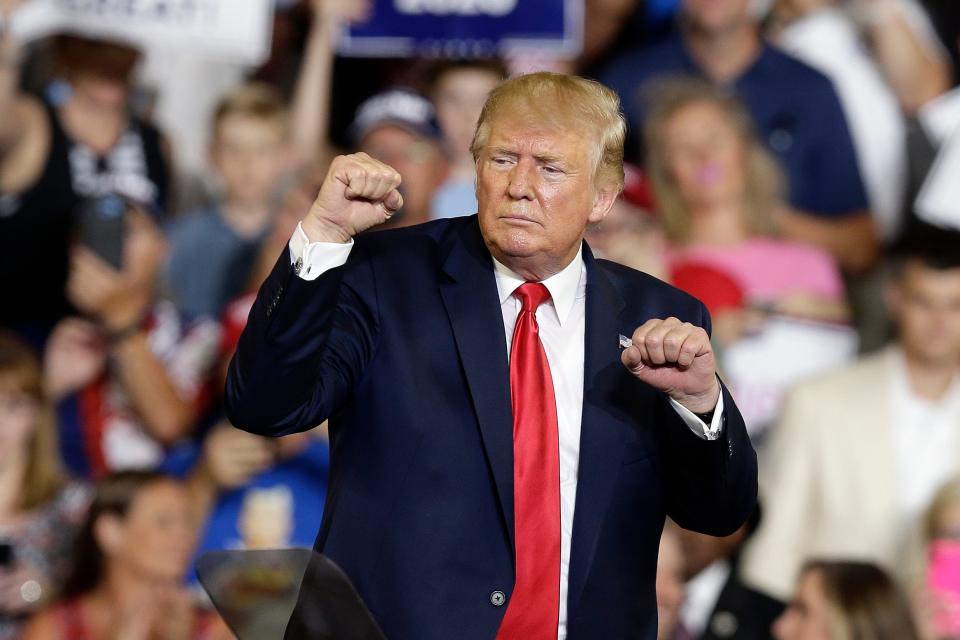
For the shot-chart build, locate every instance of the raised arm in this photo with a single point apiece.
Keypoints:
(9, 54)
(916, 72)
(23, 127)
(311, 98)
(314, 324)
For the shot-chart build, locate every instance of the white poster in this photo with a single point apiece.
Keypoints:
(762, 367)
(239, 30)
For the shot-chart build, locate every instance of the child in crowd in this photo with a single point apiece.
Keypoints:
(938, 586)
(211, 251)
(458, 90)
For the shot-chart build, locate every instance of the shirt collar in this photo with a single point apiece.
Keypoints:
(562, 285)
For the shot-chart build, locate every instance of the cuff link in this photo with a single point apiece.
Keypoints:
(297, 266)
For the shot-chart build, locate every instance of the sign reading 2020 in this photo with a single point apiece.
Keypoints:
(467, 28)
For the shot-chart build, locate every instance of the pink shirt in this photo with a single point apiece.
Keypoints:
(769, 269)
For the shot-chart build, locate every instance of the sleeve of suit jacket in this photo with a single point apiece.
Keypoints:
(304, 348)
(711, 485)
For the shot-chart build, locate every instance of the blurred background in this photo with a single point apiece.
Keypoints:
(793, 163)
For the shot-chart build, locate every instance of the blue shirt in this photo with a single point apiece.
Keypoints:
(794, 107)
(209, 264)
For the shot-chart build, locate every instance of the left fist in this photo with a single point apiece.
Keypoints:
(675, 358)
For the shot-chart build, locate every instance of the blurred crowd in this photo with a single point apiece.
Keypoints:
(793, 163)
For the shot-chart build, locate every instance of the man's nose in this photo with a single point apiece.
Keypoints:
(520, 186)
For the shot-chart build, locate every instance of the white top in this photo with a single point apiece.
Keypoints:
(829, 41)
(926, 439)
(701, 595)
(562, 322)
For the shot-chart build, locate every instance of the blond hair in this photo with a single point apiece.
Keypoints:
(561, 100)
(764, 180)
(948, 495)
(20, 371)
(255, 100)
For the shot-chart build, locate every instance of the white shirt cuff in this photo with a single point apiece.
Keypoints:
(698, 426)
(311, 259)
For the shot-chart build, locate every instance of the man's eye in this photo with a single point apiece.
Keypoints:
(552, 170)
(500, 160)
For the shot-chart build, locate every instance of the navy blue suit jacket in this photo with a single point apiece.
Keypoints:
(403, 350)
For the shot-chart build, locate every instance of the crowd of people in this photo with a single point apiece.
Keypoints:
(789, 166)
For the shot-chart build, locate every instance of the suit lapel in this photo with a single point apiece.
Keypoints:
(473, 305)
(601, 446)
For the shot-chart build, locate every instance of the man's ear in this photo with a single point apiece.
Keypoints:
(603, 201)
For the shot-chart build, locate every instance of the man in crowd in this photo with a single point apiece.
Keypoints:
(794, 107)
(859, 454)
(399, 128)
(453, 515)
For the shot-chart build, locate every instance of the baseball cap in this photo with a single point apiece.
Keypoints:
(398, 106)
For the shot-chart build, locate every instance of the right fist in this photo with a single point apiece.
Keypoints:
(357, 193)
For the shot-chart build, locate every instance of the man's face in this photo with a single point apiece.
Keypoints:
(419, 162)
(716, 16)
(926, 305)
(537, 193)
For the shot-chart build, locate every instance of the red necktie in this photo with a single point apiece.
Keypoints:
(535, 604)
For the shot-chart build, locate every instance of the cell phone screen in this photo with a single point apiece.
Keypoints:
(6, 554)
(101, 227)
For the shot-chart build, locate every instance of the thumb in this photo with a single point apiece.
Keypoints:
(393, 201)
(632, 359)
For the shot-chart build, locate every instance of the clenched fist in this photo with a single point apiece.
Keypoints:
(676, 358)
(357, 193)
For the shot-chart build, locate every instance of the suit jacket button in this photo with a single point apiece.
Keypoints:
(724, 624)
(497, 598)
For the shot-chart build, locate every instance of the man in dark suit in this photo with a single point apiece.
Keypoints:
(481, 389)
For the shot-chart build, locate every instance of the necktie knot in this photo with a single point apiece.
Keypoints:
(531, 295)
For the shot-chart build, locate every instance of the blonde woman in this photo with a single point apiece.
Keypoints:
(40, 512)
(718, 193)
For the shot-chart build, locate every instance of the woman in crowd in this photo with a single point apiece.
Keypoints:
(937, 592)
(59, 155)
(845, 601)
(131, 557)
(718, 193)
(40, 512)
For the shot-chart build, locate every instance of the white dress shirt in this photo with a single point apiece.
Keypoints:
(562, 321)
(926, 438)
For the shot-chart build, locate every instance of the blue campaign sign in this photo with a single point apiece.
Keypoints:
(467, 28)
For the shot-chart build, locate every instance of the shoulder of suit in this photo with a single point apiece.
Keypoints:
(857, 380)
(409, 239)
(636, 285)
